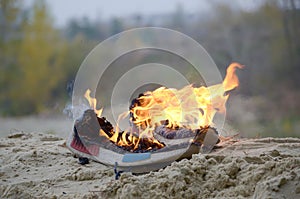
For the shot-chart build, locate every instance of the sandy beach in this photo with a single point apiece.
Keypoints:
(38, 165)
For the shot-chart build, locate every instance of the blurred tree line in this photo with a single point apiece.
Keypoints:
(39, 60)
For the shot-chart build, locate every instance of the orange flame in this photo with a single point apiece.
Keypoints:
(188, 107)
(231, 80)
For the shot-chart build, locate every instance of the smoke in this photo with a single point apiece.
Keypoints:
(74, 112)
(243, 117)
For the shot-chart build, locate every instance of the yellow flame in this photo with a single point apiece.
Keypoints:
(92, 102)
(188, 107)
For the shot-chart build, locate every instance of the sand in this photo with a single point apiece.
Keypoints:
(37, 165)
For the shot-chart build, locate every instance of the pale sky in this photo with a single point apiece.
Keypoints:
(63, 10)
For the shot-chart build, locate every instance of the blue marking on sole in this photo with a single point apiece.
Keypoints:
(135, 157)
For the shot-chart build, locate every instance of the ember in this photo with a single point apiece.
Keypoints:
(161, 117)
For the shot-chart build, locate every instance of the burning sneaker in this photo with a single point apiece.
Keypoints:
(167, 125)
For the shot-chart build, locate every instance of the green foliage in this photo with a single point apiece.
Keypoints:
(116, 26)
(37, 70)
(9, 43)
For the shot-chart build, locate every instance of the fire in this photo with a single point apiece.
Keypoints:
(92, 102)
(189, 107)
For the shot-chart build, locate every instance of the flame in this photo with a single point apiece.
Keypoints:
(231, 80)
(92, 102)
(189, 107)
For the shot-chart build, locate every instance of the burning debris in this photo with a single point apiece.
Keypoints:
(87, 127)
(93, 129)
(162, 120)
